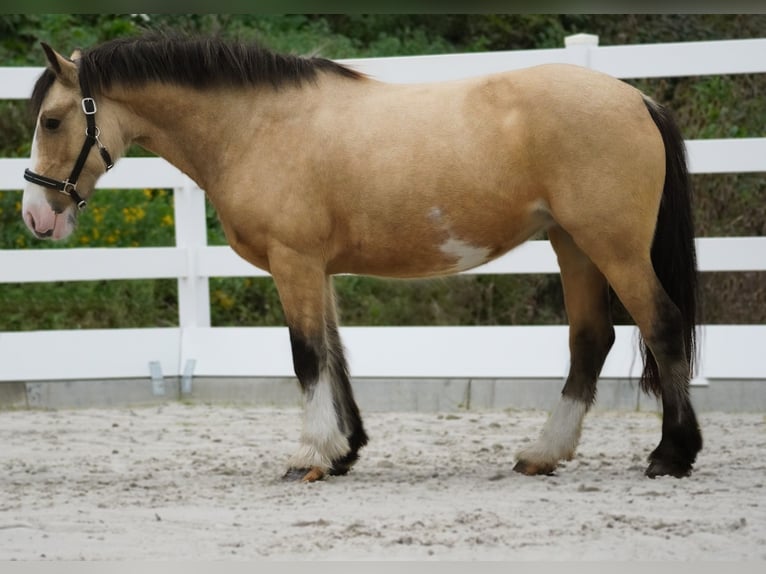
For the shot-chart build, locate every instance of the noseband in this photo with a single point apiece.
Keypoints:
(69, 186)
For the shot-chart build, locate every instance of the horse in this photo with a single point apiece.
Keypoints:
(316, 169)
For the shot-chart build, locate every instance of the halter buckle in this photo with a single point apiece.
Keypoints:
(89, 106)
(68, 188)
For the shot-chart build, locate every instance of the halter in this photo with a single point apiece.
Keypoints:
(69, 185)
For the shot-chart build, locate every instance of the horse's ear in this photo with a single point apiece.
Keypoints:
(65, 69)
(76, 55)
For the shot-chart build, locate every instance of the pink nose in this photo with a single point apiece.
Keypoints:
(40, 220)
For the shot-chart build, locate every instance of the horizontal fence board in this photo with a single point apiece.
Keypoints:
(92, 264)
(17, 82)
(733, 155)
(734, 351)
(731, 253)
(142, 172)
(681, 59)
(87, 354)
(728, 352)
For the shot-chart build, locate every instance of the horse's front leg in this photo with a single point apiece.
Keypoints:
(332, 431)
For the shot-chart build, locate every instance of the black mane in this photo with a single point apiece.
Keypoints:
(43, 84)
(193, 61)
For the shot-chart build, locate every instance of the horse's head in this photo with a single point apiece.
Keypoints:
(69, 151)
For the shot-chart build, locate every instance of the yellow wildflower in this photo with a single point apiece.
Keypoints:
(98, 214)
(223, 299)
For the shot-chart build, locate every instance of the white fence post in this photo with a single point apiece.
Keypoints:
(581, 44)
(191, 235)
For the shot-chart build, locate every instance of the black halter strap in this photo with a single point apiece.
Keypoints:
(69, 185)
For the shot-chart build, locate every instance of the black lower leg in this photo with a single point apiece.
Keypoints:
(680, 443)
(305, 360)
(588, 351)
(681, 436)
(349, 418)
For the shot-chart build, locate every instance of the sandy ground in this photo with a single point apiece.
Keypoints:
(202, 482)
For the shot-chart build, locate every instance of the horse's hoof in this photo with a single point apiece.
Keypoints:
(314, 474)
(532, 469)
(304, 474)
(294, 474)
(659, 467)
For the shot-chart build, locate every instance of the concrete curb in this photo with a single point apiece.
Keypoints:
(373, 395)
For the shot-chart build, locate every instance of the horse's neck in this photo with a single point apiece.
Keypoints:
(191, 129)
(211, 134)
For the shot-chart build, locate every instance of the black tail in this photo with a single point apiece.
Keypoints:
(673, 252)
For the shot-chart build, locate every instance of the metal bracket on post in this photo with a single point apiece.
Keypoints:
(158, 382)
(186, 378)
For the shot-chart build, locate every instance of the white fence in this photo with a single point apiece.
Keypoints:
(729, 352)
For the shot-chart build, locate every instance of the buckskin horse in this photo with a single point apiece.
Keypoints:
(315, 169)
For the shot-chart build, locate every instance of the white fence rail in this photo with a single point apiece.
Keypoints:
(729, 352)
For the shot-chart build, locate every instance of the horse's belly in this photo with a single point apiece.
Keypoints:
(438, 249)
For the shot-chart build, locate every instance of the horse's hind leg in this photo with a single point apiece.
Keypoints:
(591, 335)
(661, 325)
(631, 274)
(332, 431)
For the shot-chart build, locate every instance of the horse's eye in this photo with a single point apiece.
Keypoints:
(51, 124)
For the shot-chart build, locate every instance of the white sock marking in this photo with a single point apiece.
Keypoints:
(560, 435)
(321, 439)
